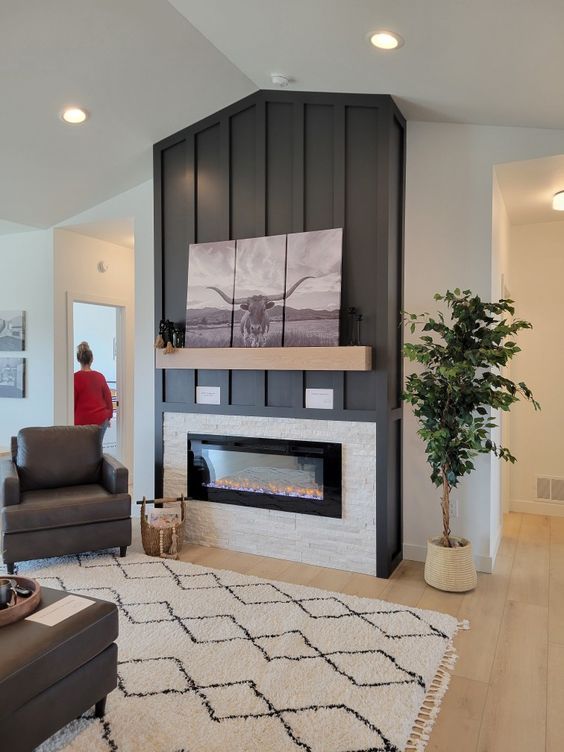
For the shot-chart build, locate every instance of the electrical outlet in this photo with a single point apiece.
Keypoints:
(454, 508)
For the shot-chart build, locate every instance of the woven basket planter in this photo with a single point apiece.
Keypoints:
(450, 569)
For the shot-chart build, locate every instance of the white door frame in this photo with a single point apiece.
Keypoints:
(121, 306)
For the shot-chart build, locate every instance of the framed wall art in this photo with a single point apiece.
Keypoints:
(12, 331)
(12, 377)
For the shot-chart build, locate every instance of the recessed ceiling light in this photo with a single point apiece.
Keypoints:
(74, 115)
(386, 40)
(558, 201)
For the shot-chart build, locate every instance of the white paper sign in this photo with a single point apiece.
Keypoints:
(208, 395)
(59, 611)
(322, 399)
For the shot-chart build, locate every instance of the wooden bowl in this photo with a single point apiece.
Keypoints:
(23, 606)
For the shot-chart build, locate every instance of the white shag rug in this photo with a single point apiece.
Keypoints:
(211, 660)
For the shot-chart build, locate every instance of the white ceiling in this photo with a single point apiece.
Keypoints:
(144, 70)
(138, 66)
(116, 231)
(528, 187)
(497, 62)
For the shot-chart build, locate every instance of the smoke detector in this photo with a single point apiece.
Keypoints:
(279, 80)
(102, 267)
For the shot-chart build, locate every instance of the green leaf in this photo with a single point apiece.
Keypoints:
(458, 388)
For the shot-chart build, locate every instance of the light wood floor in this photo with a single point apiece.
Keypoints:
(507, 692)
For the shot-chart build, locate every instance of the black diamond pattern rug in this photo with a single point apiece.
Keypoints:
(211, 661)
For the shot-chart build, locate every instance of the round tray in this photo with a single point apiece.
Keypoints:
(23, 606)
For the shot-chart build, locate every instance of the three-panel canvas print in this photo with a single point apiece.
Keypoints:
(275, 291)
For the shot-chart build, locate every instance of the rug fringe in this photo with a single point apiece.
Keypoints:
(421, 732)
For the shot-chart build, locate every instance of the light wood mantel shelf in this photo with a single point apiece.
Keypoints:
(269, 358)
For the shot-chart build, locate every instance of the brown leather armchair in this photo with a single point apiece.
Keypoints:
(59, 494)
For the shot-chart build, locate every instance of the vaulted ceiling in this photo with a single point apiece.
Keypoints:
(496, 62)
(146, 68)
(139, 67)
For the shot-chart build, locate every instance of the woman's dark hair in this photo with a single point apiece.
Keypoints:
(84, 354)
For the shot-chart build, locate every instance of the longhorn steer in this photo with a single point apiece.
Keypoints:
(255, 322)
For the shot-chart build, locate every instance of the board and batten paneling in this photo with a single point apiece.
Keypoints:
(279, 162)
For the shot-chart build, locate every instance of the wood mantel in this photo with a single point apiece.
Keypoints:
(269, 358)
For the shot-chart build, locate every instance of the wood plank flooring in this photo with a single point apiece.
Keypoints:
(507, 692)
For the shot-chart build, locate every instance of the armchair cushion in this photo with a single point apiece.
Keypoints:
(9, 484)
(59, 456)
(65, 507)
(115, 476)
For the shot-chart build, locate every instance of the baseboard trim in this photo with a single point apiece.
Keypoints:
(497, 544)
(548, 508)
(418, 553)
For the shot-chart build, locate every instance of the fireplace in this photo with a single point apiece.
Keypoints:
(286, 475)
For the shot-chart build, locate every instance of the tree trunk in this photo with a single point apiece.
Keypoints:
(445, 507)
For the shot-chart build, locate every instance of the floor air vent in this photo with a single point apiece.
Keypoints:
(550, 489)
(557, 489)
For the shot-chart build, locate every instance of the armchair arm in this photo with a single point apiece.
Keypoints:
(9, 484)
(115, 476)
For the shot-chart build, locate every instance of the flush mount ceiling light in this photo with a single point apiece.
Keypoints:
(74, 115)
(385, 40)
(558, 201)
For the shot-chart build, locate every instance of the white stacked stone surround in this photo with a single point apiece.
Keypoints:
(348, 543)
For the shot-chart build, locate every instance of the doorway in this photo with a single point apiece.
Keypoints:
(101, 325)
(529, 260)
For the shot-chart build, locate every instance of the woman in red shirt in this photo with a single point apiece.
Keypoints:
(92, 397)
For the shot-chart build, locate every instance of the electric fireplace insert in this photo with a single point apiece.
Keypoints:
(286, 475)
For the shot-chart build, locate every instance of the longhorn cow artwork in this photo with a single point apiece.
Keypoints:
(265, 292)
(209, 319)
(255, 321)
(258, 296)
(312, 316)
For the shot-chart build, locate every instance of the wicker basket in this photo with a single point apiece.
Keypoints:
(450, 569)
(163, 541)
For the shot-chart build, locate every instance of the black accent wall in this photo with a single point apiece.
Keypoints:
(278, 162)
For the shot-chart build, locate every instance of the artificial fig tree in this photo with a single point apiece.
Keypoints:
(462, 353)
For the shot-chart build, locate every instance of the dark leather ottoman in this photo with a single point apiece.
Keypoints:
(51, 675)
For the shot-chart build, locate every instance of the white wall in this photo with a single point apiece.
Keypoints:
(537, 272)
(500, 478)
(26, 283)
(448, 243)
(77, 277)
(137, 204)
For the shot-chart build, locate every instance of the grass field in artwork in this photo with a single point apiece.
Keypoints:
(311, 333)
(208, 336)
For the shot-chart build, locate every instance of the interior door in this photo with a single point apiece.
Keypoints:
(98, 325)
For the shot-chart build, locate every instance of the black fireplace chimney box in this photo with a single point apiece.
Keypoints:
(281, 474)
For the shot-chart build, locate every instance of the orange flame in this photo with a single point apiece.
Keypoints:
(252, 486)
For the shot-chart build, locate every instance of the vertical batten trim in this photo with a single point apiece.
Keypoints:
(298, 169)
(339, 130)
(260, 168)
